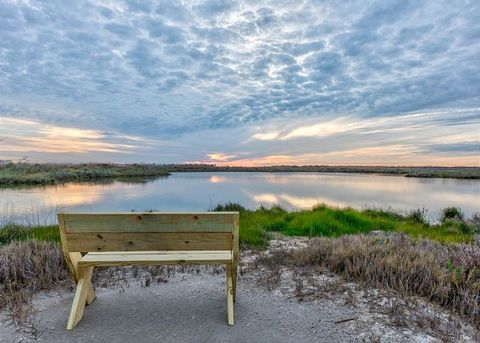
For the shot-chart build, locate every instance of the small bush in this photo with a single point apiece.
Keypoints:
(418, 215)
(453, 214)
(474, 222)
(229, 206)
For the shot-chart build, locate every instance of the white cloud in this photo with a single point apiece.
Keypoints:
(169, 71)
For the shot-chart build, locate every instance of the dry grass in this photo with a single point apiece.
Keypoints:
(26, 268)
(448, 275)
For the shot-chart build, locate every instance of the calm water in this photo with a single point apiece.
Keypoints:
(201, 191)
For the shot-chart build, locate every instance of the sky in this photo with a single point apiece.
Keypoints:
(241, 82)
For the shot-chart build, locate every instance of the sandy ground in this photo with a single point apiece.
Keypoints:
(190, 306)
(190, 309)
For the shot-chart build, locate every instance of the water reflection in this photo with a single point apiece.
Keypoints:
(217, 179)
(201, 191)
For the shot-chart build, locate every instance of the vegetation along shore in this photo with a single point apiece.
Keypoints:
(15, 174)
(404, 253)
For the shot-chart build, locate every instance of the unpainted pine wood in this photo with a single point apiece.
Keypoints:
(75, 258)
(201, 239)
(148, 222)
(72, 258)
(236, 253)
(63, 236)
(229, 295)
(80, 298)
(121, 259)
(165, 252)
(133, 241)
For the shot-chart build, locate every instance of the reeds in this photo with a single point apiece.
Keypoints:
(448, 275)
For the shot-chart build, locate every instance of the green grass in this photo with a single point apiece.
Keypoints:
(15, 174)
(13, 232)
(326, 221)
(321, 221)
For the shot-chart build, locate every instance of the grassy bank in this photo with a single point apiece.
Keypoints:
(45, 174)
(326, 221)
(15, 174)
(440, 262)
(321, 221)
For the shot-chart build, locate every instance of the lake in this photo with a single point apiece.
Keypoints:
(202, 191)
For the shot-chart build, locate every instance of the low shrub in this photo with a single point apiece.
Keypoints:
(474, 222)
(418, 215)
(452, 213)
(229, 206)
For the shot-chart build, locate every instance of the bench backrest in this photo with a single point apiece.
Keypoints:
(134, 231)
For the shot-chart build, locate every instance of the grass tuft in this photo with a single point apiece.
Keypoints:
(26, 268)
(452, 213)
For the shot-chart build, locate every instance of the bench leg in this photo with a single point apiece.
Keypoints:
(234, 285)
(72, 259)
(81, 294)
(91, 294)
(230, 295)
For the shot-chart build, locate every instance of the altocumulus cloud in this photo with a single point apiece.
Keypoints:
(247, 82)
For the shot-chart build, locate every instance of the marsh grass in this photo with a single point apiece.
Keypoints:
(25, 269)
(256, 226)
(14, 174)
(327, 221)
(14, 233)
(448, 275)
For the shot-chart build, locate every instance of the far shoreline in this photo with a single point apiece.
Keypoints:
(40, 174)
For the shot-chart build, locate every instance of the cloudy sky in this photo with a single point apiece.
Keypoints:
(241, 83)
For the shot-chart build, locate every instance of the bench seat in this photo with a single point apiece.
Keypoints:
(127, 258)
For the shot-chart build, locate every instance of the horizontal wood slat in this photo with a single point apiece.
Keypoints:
(152, 258)
(145, 241)
(149, 222)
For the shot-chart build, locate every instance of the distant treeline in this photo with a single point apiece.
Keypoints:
(14, 174)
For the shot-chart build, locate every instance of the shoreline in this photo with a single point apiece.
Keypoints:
(14, 175)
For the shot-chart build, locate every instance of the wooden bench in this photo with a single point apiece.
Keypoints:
(124, 239)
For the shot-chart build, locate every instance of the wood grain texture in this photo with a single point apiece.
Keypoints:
(85, 242)
(235, 253)
(148, 222)
(72, 258)
(80, 298)
(126, 259)
(230, 316)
